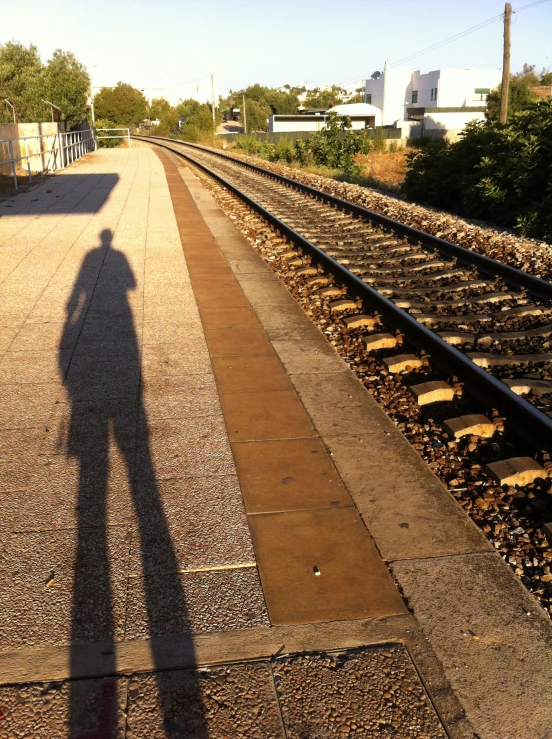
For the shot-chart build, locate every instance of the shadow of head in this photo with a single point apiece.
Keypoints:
(106, 237)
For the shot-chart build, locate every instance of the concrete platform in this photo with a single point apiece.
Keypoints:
(210, 528)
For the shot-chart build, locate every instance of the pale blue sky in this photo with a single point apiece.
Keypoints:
(164, 43)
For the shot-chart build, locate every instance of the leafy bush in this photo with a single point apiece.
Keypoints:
(252, 146)
(336, 145)
(498, 173)
(108, 143)
(283, 151)
(303, 154)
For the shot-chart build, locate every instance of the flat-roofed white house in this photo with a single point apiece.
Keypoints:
(440, 102)
(361, 115)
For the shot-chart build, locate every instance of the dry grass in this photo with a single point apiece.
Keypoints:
(387, 167)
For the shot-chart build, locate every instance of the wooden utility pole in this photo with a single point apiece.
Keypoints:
(505, 65)
(213, 97)
(244, 117)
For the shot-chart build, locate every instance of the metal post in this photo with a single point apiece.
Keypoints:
(28, 160)
(213, 97)
(10, 144)
(244, 121)
(60, 149)
(39, 148)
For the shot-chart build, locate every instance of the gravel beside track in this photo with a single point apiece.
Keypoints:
(417, 279)
(511, 517)
(528, 255)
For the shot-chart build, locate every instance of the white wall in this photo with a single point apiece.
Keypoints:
(424, 83)
(389, 93)
(278, 126)
(392, 92)
(305, 123)
(457, 86)
(450, 121)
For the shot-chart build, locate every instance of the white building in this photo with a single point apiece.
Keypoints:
(440, 101)
(361, 115)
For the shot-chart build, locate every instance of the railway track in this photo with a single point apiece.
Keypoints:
(487, 323)
(469, 452)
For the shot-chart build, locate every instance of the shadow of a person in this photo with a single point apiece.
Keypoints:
(107, 418)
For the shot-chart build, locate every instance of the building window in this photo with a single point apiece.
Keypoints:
(481, 94)
(369, 98)
(415, 96)
(434, 93)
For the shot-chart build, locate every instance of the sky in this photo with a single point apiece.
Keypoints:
(171, 47)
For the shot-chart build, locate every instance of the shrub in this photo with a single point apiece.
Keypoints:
(494, 172)
(336, 145)
(302, 153)
(283, 151)
(108, 143)
(253, 147)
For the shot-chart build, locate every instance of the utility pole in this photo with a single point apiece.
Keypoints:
(505, 65)
(244, 117)
(213, 97)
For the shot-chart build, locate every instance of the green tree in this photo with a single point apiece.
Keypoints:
(520, 95)
(279, 101)
(324, 98)
(198, 120)
(500, 173)
(546, 76)
(122, 105)
(21, 82)
(67, 84)
(334, 146)
(159, 108)
(257, 115)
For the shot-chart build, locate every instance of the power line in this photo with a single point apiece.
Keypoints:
(464, 33)
(457, 36)
(181, 84)
(448, 40)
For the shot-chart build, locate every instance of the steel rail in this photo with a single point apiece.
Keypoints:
(523, 419)
(541, 289)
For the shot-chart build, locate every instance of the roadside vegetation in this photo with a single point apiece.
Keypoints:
(336, 152)
(498, 173)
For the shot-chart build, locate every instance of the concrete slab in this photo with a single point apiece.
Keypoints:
(194, 602)
(368, 693)
(405, 507)
(237, 701)
(265, 415)
(321, 565)
(72, 708)
(470, 606)
(242, 342)
(229, 318)
(250, 374)
(200, 519)
(288, 475)
(57, 587)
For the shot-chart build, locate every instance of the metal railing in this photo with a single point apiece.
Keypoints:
(60, 150)
(123, 136)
